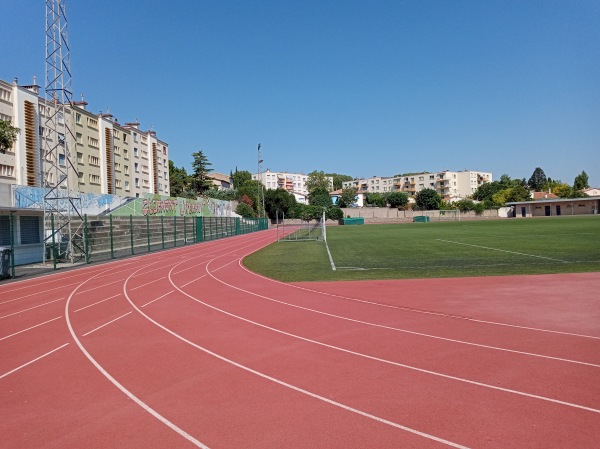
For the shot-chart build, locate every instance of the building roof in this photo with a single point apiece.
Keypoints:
(544, 195)
(554, 200)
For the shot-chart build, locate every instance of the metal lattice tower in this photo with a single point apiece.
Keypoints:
(261, 192)
(63, 222)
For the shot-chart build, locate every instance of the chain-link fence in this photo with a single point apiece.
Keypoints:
(108, 237)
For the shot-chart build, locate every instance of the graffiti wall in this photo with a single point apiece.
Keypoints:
(157, 205)
(98, 204)
(89, 203)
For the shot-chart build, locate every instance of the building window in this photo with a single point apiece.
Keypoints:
(135, 152)
(136, 167)
(79, 158)
(61, 160)
(78, 118)
(135, 137)
(137, 182)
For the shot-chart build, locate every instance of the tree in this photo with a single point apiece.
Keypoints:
(200, 179)
(278, 202)
(334, 213)
(347, 197)
(319, 196)
(251, 190)
(428, 199)
(8, 136)
(317, 179)
(376, 199)
(240, 178)
(179, 181)
(581, 181)
(245, 211)
(537, 180)
(338, 180)
(397, 199)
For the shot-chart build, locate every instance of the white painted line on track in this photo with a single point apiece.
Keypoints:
(31, 308)
(117, 384)
(147, 283)
(98, 302)
(160, 297)
(287, 385)
(406, 331)
(413, 310)
(401, 365)
(33, 361)
(502, 250)
(29, 328)
(106, 324)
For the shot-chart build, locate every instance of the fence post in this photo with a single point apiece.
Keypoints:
(148, 230)
(162, 230)
(110, 236)
(131, 232)
(86, 247)
(184, 231)
(12, 244)
(199, 230)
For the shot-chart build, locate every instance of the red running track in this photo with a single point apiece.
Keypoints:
(187, 348)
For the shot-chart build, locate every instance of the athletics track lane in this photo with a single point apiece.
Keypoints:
(243, 411)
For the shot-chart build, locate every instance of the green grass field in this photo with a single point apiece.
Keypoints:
(442, 249)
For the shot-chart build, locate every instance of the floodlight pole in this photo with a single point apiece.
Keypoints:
(260, 192)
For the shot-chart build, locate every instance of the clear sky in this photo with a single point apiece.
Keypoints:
(361, 88)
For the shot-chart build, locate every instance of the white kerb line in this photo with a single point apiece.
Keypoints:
(502, 250)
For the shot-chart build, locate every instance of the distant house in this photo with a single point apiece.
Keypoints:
(221, 181)
(593, 191)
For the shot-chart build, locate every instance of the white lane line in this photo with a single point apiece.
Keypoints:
(147, 283)
(31, 308)
(406, 331)
(389, 362)
(160, 297)
(42, 292)
(502, 250)
(29, 328)
(106, 324)
(287, 385)
(33, 361)
(116, 383)
(98, 302)
(409, 309)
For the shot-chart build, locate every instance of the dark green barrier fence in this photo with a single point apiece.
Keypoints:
(109, 237)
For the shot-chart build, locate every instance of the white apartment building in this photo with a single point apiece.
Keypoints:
(292, 182)
(109, 158)
(451, 185)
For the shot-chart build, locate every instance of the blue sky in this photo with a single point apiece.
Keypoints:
(361, 88)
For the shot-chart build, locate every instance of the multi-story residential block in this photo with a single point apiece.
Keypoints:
(109, 158)
(450, 185)
(292, 182)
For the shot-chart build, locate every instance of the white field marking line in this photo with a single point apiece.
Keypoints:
(426, 312)
(29, 328)
(106, 324)
(33, 361)
(98, 302)
(389, 362)
(285, 384)
(160, 297)
(31, 308)
(420, 334)
(114, 381)
(502, 250)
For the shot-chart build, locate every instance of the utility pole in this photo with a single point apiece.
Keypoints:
(261, 193)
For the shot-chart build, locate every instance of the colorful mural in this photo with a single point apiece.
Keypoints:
(157, 205)
(153, 205)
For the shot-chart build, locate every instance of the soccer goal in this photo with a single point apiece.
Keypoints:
(306, 231)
